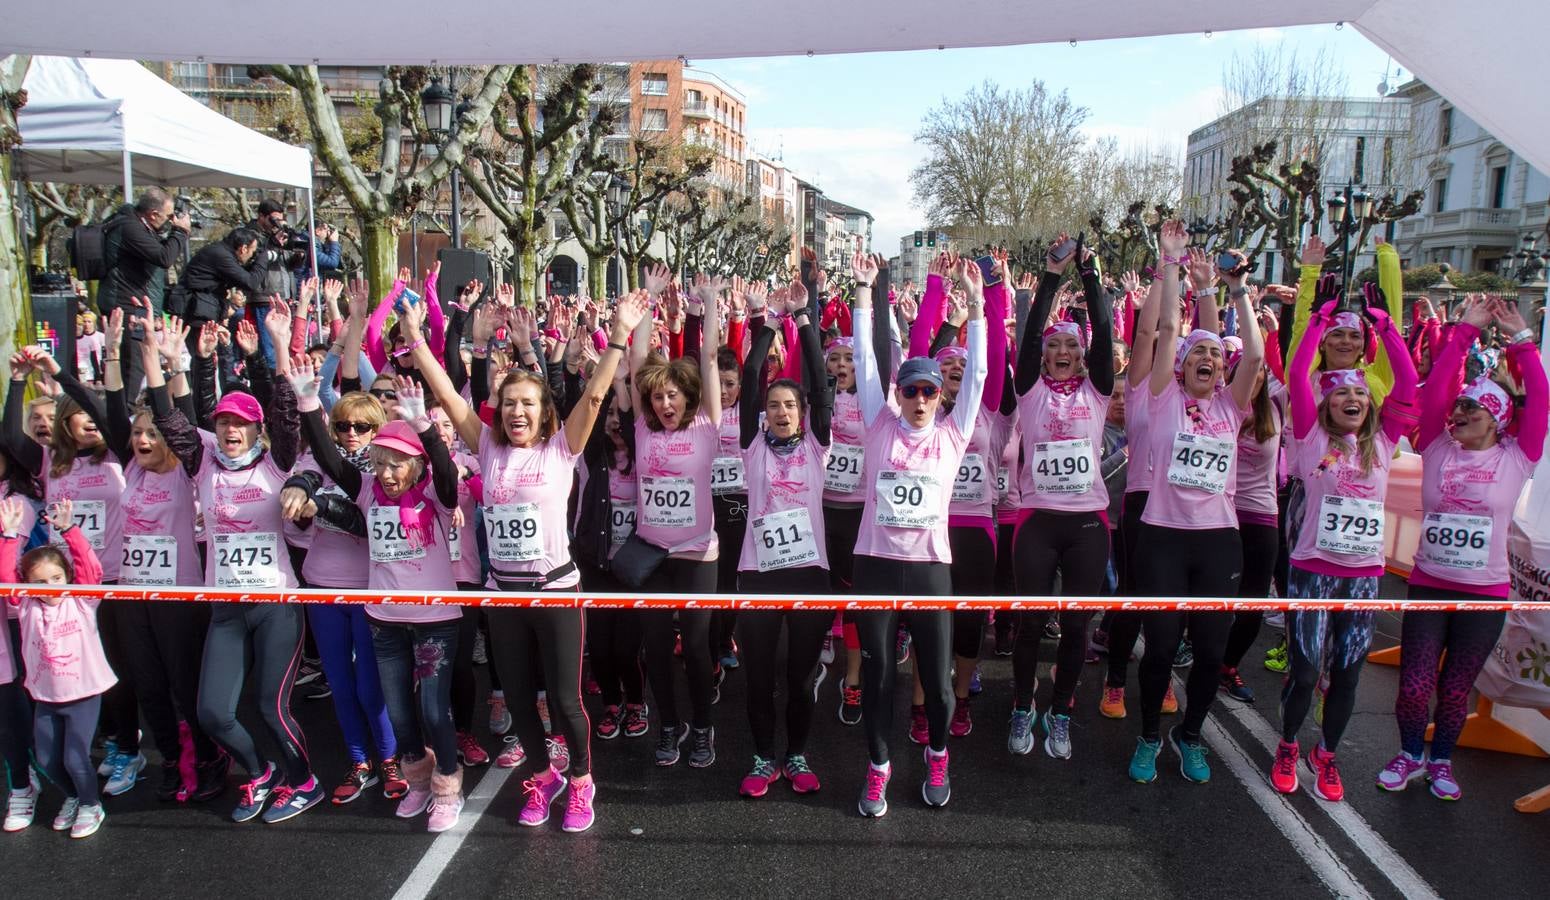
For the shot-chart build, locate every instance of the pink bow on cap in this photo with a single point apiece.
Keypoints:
(1335, 379)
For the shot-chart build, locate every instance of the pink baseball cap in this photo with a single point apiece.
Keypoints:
(242, 405)
(398, 435)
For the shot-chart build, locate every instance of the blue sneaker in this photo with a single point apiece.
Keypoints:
(252, 796)
(290, 802)
(109, 759)
(1143, 766)
(1019, 738)
(974, 683)
(1192, 757)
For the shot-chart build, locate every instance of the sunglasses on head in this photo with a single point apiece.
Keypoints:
(383, 394)
(911, 391)
(357, 427)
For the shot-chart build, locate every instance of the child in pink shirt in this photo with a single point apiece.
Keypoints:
(67, 670)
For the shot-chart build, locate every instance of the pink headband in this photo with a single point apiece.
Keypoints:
(1232, 348)
(1335, 379)
(1198, 336)
(1346, 320)
(840, 343)
(1489, 395)
(951, 352)
(1070, 328)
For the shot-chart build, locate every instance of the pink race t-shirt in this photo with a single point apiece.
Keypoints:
(843, 483)
(1194, 452)
(1254, 484)
(62, 650)
(727, 476)
(909, 478)
(1063, 448)
(97, 490)
(525, 494)
(336, 559)
(462, 543)
(785, 507)
(974, 487)
(624, 503)
(243, 524)
(673, 471)
(396, 562)
(159, 528)
(1468, 498)
(1343, 516)
(1138, 472)
(1009, 494)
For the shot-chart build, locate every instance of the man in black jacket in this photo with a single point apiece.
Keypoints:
(141, 242)
(217, 269)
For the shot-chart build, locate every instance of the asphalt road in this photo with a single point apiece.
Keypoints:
(1016, 825)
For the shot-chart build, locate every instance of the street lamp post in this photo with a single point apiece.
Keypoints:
(1359, 205)
(442, 111)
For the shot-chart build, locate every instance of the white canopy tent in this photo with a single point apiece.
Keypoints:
(110, 121)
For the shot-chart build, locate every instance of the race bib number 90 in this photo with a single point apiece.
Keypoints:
(907, 500)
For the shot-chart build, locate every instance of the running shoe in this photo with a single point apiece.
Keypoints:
(480, 653)
(1283, 772)
(1143, 765)
(308, 672)
(758, 780)
(920, 727)
(901, 647)
(702, 751)
(21, 806)
(1185, 656)
(963, 720)
(1440, 773)
(1276, 657)
(1052, 628)
(1233, 686)
(1170, 703)
(318, 690)
(87, 820)
(500, 716)
(1057, 736)
(514, 755)
(171, 782)
(801, 776)
(717, 676)
(1401, 770)
(125, 774)
(1112, 706)
(874, 794)
(578, 808)
(211, 778)
(827, 656)
(850, 704)
(252, 796)
(635, 721)
(109, 758)
(1091, 656)
(559, 752)
(543, 712)
(394, 784)
(445, 810)
(609, 724)
(67, 813)
(469, 753)
(729, 655)
(592, 688)
(671, 738)
(975, 686)
(819, 675)
(936, 789)
(1019, 735)
(1192, 757)
(1326, 775)
(359, 778)
(291, 802)
(540, 794)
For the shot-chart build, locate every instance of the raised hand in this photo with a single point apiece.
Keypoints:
(908, 308)
(657, 277)
(968, 274)
(404, 275)
(1026, 282)
(333, 288)
(1508, 316)
(411, 399)
(209, 336)
(113, 332)
(174, 339)
(506, 295)
(247, 338)
(756, 297)
(1477, 311)
(707, 288)
(1130, 282)
(863, 267)
(11, 515)
(632, 307)
(306, 292)
(1172, 239)
(1313, 251)
(1202, 271)
(411, 322)
(519, 327)
(305, 382)
(278, 322)
(941, 265)
(1424, 309)
(672, 303)
(957, 309)
(359, 301)
(61, 515)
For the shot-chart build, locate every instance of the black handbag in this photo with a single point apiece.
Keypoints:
(636, 560)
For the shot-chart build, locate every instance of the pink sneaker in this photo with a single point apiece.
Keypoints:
(1400, 771)
(414, 802)
(963, 719)
(559, 753)
(802, 779)
(578, 810)
(1440, 773)
(539, 796)
(920, 729)
(446, 801)
(512, 756)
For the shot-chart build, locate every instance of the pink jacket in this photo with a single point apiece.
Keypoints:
(60, 644)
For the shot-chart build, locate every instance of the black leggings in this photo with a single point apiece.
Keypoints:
(465, 688)
(1124, 626)
(164, 640)
(15, 714)
(614, 639)
(932, 633)
(841, 526)
(731, 526)
(974, 575)
(758, 633)
(680, 576)
(1174, 562)
(62, 733)
(1077, 545)
(120, 717)
(553, 639)
(267, 635)
(1261, 546)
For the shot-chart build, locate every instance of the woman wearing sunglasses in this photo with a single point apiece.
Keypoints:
(912, 460)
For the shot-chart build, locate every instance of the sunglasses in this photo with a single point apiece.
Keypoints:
(911, 391)
(384, 395)
(357, 427)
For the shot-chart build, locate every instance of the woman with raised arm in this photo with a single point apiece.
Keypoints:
(912, 458)
(526, 458)
(1473, 470)
(1064, 379)
(240, 470)
(677, 437)
(1342, 446)
(1188, 543)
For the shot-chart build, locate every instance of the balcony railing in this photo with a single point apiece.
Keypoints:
(697, 108)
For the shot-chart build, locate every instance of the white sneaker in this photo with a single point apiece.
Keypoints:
(66, 817)
(500, 716)
(124, 775)
(22, 805)
(87, 820)
(827, 656)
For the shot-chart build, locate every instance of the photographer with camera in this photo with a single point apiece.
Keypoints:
(141, 242)
(219, 268)
(325, 244)
(281, 254)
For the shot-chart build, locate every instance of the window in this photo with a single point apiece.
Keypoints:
(1388, 160)
(1445, 127)
(653, 119)
(654, 83)
(1499, 187)
(1359, 166)
(1439, 195)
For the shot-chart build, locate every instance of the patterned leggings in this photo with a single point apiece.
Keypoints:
(1467, 640)
(1311, 634)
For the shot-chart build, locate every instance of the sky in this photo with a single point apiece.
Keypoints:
(847, 122)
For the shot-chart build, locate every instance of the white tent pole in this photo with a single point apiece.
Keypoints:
(129, 179)
(312, 249)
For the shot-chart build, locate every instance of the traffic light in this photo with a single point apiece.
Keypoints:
(931, 239)
(917, 238)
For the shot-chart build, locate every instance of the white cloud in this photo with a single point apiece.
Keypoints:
(1162, 127)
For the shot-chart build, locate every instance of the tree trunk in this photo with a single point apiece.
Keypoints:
(530, 282)
(379, 255)
(631, 272)
(15, 304)
(597, 276)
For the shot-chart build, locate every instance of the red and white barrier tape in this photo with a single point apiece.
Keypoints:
(594, 600)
